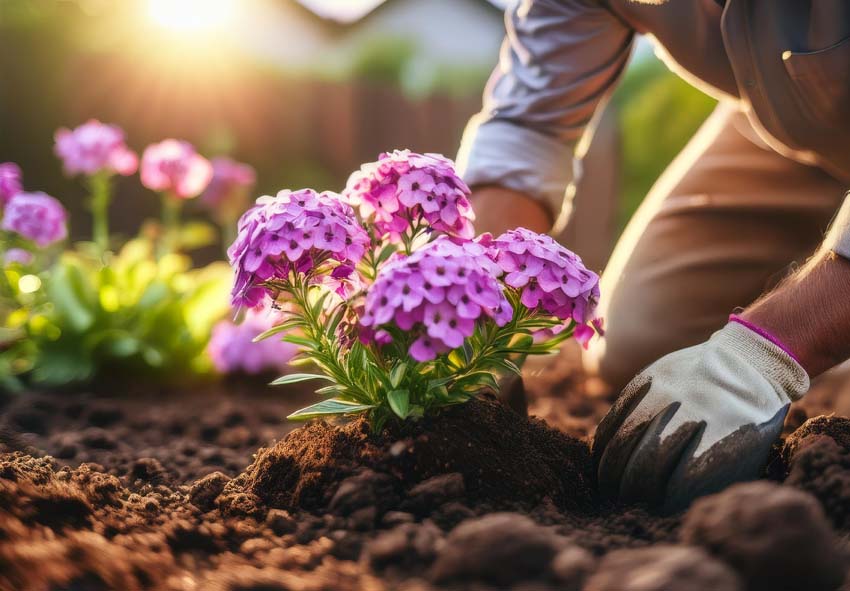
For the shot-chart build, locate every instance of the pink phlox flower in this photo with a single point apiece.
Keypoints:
(95, 147)
(440, 292)
(403, 189)
(551, 278)
(175, 166)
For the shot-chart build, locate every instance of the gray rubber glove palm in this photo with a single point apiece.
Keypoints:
(697, 420)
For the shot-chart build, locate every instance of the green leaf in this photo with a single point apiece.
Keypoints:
(288, 325)
(68, 293)
(294, 378)
(397, 374)
(333, 406)
(400, 402)
(300, 341)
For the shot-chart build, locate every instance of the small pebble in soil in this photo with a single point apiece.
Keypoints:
(663, 568)
(776, 537)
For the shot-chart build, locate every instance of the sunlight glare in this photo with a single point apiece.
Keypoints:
(190, 15)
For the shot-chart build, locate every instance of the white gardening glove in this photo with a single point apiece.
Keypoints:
(697, 420)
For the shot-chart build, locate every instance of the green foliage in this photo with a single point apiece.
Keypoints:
(383, 381)
(659, 112)
(112, 314)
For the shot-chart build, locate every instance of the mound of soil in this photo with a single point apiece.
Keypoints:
(477, 452)
(170, 493)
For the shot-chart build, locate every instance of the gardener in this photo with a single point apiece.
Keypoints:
(749, 196)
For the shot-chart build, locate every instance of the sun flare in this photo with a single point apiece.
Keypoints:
(191, 15)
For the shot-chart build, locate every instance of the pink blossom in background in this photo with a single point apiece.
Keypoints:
(231, 181)
(439, 292)
(37, 217)
(10, 181)
(18, 255)
(95, 147)
(232, 349)
(404, 188)
(176, 167)
(293, 231)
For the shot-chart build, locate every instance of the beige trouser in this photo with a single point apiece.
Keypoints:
(725, 222)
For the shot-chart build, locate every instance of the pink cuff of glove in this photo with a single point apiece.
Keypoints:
(764, 334)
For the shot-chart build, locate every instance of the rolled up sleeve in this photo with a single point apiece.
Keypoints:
(559, 61)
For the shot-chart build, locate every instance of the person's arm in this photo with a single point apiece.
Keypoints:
(559, 61)
(810, 311)
(704, 417)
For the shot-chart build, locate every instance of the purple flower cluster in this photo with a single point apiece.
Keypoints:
(294, 231)
(232, 347)
(37, 217)
(552, 278)
(10, 181)
(404, 188)
(440, 291)
(95, 147)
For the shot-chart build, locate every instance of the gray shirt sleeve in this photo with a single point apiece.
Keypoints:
(559, 60)
(838, 237)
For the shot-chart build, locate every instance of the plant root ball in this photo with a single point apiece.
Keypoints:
(775, 536)
(663, 568)
(500, 548)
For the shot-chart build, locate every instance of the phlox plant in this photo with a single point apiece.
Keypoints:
(74, 313)
(386, 289)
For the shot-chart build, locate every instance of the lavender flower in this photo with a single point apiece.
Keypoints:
(404, 188)
(230, 183)
(232, 347)
(95, 147)
(551, 278)
(292, 232)
(176, 167)
(37, 217)
(439, 292)
(10, 181)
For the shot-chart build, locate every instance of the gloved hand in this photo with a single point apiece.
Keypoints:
(697, 420)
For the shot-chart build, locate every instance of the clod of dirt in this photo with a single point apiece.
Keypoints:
(500, 548)
(776, 537)
(837, 428)
(204, 491)
(817, 460)
(571, 566)
(437, 490)
(495, 452)
(663, 568)
(408, 545)
(365, 489)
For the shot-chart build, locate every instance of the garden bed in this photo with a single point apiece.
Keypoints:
(164, 491)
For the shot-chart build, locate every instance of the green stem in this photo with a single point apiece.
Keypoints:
(101, 195)
(171, 206)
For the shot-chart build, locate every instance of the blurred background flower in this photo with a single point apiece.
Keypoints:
(37, 217)
(233, 350)
(93, 148)
(304, 90)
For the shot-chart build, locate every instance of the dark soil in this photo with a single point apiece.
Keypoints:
(211, 491)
